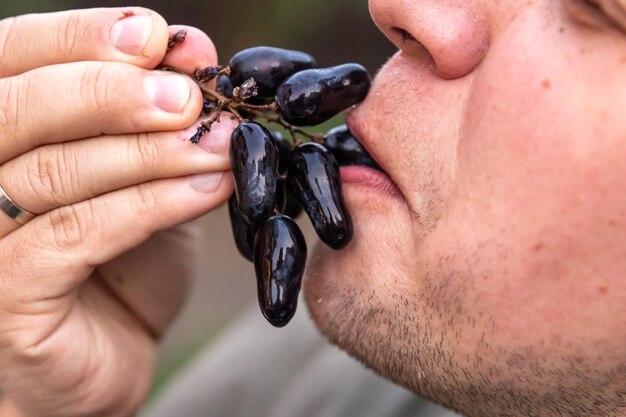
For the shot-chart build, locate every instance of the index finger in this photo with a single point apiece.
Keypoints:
(134, 35)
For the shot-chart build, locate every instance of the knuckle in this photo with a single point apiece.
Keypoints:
(97, 86)
(37, 176)
(145, 207)
(4, 117)
(70, 225)
(146, 201)
(13, 96)
(6, 33)
(147, 151)
(52, 175)
(71, 32)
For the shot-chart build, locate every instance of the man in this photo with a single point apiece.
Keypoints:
(489, 272)
(487, 267)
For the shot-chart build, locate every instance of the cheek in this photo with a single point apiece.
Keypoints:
(535, 202)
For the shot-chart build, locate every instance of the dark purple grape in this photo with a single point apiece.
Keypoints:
(254, 161)
(207, 106)
(224, 86)
(292, 207)
(311, 97)
(284, 147)
(346, 149)
(279, 260)
(243, 232)
(286, 203)
(313, 177)
(268, 66)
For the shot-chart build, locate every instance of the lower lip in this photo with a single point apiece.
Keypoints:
(371, 178)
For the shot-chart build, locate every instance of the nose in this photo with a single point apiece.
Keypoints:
(454, 32)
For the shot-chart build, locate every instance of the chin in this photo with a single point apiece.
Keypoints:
(342, 287)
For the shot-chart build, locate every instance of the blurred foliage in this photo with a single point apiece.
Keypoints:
(333, 31)
(14, 8)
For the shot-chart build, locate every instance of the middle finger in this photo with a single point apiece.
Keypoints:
(86, 99)
(58, 175)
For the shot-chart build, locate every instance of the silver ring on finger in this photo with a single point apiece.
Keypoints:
(14, 211)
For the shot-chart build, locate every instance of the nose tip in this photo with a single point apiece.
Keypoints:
(457, 43)
(454, 32)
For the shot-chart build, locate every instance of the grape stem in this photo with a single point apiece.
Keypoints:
(293, 130)
(269, 112)
(208, 123)
(262, 111)
(176, 39)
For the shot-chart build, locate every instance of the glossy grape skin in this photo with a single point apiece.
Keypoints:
(279, 260)
(224, 86)
(313, 177)
(311, 97)
(286, 203)
(268, 66)
(346, 149)
(254, 162)
(243, 232)
(284, 148)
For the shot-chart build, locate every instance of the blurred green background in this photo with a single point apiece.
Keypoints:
(334, 32)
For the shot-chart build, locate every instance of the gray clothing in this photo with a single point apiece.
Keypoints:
(254, 370)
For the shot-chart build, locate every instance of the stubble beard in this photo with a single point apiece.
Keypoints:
(432, 342)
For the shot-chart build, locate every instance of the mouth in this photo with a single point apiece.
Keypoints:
(372, 176)
(374, 179)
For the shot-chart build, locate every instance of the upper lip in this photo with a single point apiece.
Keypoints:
(355, 126)
(353, 121)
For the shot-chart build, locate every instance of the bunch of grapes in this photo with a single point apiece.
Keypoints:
(277, 176)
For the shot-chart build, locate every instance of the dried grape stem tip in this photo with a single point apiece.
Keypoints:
(198, 135)
(176, 39)
(204, 75)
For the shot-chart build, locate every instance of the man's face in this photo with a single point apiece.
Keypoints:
(490, 274)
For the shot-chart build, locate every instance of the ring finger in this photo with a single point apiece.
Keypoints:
(58, 175)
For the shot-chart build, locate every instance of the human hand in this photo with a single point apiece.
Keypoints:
(89, 284)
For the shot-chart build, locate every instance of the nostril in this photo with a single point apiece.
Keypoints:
(404, 35)
(455, 39)
(410, 45)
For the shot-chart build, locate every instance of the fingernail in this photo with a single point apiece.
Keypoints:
(130, 34)
(169, 92)
(206, 183)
